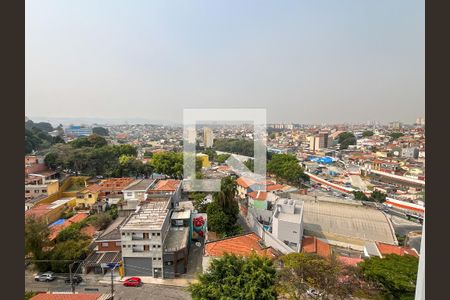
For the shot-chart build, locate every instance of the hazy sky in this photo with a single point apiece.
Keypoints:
(305, 61)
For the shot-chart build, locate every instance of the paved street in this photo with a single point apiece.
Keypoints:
(146, 291)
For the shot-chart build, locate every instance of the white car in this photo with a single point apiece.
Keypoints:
(47, 276)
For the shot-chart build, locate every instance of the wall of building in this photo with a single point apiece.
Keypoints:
(108, 246)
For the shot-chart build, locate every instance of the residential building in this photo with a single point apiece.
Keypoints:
(40, 187)
(208, 137)
(142, 239)
(61, 224)
(204, 159)
(87, 197)
(287, 222)
(50, 212)
(166, 187)
(241, 245)
(382, 249)
(108, 248)
(78, 130)
(136, 191)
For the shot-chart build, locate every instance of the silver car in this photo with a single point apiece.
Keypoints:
(47, 276)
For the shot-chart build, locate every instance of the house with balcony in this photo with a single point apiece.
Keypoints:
(142, 238)
(108, 248)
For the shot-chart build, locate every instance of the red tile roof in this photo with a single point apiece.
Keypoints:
(349, 261)
(244, 182)
(274, 187)
(79, 296)
(242, 245)
(89, 230)
(386, 249)
(38, 211)
(55, 230)
(115, 184)
(167, 185)
(258, 195)
(310, 244)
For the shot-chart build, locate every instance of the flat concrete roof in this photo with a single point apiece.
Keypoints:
(179, 215)
(150, 216)
(139, 185)
(176, 238)
(347, 223)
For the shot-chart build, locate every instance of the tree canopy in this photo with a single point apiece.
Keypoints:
(367, 133)
(93, 156)
(223, 210)
(395, 135)
(286, 167)
(236, 146)
(233, 278)
(346, 139)
(303, 271)
(100, 131)
(396, 274)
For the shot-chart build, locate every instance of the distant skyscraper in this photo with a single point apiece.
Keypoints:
(191, 135)
(208, 138)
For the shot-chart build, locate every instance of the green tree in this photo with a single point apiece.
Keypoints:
(212, 155)
(233, 277)
(286, 167)
(221, 158)
(378, 196)
(93, 140)
(346, 139)
(100, 131)
(360, 196)
(396, 274)
(67, 252)
(367, 133)
(101, 221)
(199, 201)
(224, 209)
(236, 146)
(36, 236)
(250, 164)
(395, 135)
(303, 271)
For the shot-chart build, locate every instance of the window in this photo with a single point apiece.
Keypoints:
(159, 246)
(158, 234)
(159, 258)
(123, 233)
(124, 246)
(154, 246)
(153, 234)
(129, 194)
(146, 235)
(44, 191)
(27, 191)
(105, 244)
(146, 248)
(154, 258)
(90, 196)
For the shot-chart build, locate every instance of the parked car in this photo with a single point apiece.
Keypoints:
(133, 281)
(47, 276)
(76, 279)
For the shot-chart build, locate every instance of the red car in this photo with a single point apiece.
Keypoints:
(133, 281)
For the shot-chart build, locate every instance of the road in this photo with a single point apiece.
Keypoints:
(146, 291)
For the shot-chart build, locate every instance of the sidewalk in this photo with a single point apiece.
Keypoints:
(180, 282)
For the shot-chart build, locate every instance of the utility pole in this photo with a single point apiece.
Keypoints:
(71, 279)
(112, 283)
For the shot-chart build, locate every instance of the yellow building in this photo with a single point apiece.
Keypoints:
(88, 196)
(205, 160)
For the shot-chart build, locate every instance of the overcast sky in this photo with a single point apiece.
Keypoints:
(305, 61)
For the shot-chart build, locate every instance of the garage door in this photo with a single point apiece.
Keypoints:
(137, 266)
